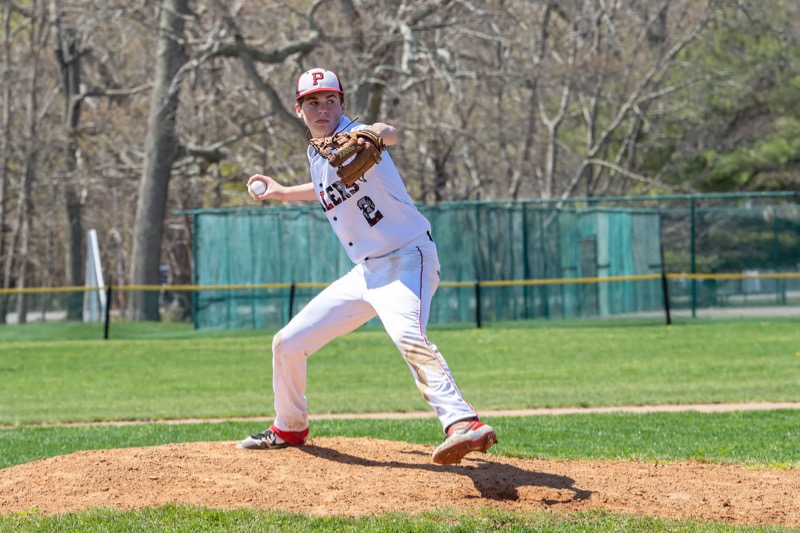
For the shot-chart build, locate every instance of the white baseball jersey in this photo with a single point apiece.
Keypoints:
(375, 215)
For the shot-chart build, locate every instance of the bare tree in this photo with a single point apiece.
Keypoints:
(5, 147)
(626, 78)
(161, 146)
(16, 268)
(68, 53)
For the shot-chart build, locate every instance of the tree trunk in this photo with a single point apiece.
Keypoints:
(5, 148)
(26, 208)
(21, 232)
(69, 60)
(160, 149)
(22, 221)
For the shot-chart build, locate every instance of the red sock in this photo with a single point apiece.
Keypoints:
(295, 438)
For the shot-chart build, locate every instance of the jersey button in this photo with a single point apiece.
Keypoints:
(350, 243)
(335, 219)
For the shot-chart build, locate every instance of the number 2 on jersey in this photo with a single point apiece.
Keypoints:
(367, 207)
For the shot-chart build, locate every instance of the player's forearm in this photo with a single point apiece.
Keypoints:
(263, 188)
(388, 133)
(304, 192)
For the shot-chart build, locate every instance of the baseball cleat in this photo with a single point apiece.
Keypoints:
(271, 440)
(463, 438)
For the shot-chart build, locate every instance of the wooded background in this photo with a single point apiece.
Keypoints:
(118, 113)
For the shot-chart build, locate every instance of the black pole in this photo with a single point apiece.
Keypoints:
(478, 303)
(107, 317)
(665, 290)
(693, 253)
(665, 287)
(291, 300)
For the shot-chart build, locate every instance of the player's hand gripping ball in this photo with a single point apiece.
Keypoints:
(353, 153)
(257, 188)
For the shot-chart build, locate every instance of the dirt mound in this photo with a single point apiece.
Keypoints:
(342, 476)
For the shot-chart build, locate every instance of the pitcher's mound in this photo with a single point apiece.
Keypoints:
(343, 476)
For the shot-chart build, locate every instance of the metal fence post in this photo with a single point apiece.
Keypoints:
(107, 313)
(291, 299)
(478, 303)
(693, 255)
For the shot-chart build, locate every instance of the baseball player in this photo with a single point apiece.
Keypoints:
(395, 276)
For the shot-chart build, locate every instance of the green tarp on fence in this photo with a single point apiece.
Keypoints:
(724, 255)
(508, 241)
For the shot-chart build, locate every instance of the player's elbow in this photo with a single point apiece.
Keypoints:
(388, 133)
(391, 137)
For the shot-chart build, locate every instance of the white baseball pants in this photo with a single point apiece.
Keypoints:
(398, 288)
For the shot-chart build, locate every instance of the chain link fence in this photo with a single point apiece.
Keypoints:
(692, 255)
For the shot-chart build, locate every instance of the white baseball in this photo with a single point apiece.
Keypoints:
(258, 187)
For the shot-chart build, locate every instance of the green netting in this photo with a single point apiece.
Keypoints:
(515, 241)
(477, 242)
(266, 247)
(753, 238)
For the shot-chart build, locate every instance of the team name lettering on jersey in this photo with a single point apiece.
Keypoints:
(338, 193)
(335, 194)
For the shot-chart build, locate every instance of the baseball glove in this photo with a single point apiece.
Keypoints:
(351, 155)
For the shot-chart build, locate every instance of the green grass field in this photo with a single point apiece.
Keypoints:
(172, 373)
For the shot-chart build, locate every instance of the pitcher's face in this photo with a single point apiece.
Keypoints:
(321, 112)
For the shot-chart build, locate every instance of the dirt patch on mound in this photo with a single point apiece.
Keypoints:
(352, 477)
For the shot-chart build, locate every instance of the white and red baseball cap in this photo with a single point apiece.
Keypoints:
(317, 80)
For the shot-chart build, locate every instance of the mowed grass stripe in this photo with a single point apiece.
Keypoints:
(497, 368)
